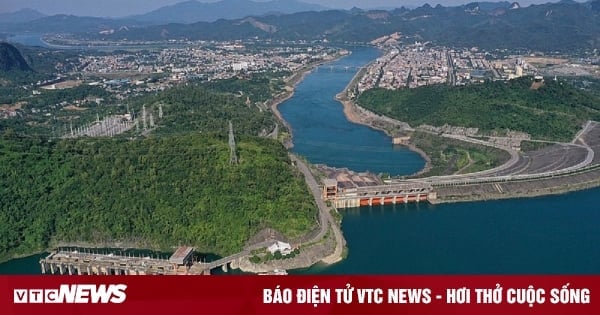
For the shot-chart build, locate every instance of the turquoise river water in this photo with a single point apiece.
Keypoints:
(546, 235)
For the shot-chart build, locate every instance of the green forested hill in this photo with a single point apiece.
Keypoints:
(208, 108)
(555, 111)
(11, 59)
(172, 186)
(157, 192)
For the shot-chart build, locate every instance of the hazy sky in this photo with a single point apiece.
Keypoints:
(129, 7)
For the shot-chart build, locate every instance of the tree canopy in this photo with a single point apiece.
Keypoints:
(158, 192)
(555, 111)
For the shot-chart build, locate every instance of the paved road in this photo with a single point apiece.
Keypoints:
(225, 260)
(325, 218)
(490, 176)
(588, 126)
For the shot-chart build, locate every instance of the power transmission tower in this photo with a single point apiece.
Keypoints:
(232, 156)
(144, 117)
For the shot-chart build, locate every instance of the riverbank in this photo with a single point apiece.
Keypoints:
(389, 126)
(291, 83)
(309, 255)
(493, 155)
(328, 245)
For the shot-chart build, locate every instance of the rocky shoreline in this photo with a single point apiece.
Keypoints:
(309, 255)
(359, 115)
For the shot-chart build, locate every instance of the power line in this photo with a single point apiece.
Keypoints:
(232, 155)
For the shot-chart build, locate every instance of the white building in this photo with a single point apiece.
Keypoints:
(283, 248)
(240, 66)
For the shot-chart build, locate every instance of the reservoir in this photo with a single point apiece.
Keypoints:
(544, 235)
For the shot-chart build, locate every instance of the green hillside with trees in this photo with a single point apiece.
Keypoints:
(11, 59)
(207, 107)
(560, 26)
(157, 192)
(169, 186)
(555, 111)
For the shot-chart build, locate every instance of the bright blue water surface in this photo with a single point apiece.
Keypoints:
(322, 133)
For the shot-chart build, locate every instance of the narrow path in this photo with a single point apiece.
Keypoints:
(469, 164)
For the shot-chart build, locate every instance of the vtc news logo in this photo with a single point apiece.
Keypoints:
(73, 294)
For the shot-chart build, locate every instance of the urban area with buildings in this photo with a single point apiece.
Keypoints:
(222, 61)
(124, 74)
(128, 73)
(420, 64)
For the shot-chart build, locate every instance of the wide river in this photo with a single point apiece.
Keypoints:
(547, 235)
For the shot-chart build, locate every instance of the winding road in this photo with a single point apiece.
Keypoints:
(325, 218)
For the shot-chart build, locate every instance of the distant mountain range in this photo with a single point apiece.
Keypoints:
(195, 11)
(565, 25)
(21, 16)
(561, 26)
(28, 20)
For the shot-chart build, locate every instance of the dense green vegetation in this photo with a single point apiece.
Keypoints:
(588, 84)
(68, 96)
(258, 88)
(450, 156)
(168, 186)
(11, 59)
(45, 114)
(528, 146)
(157, 192)
(199, 108)
(555, 111)
(14, 71)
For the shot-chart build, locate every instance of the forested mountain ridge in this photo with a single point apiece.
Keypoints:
(20, 16)
(565, 25)
(551, 26)
(195, 11)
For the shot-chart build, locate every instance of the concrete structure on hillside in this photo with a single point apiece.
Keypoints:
(282, 247)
